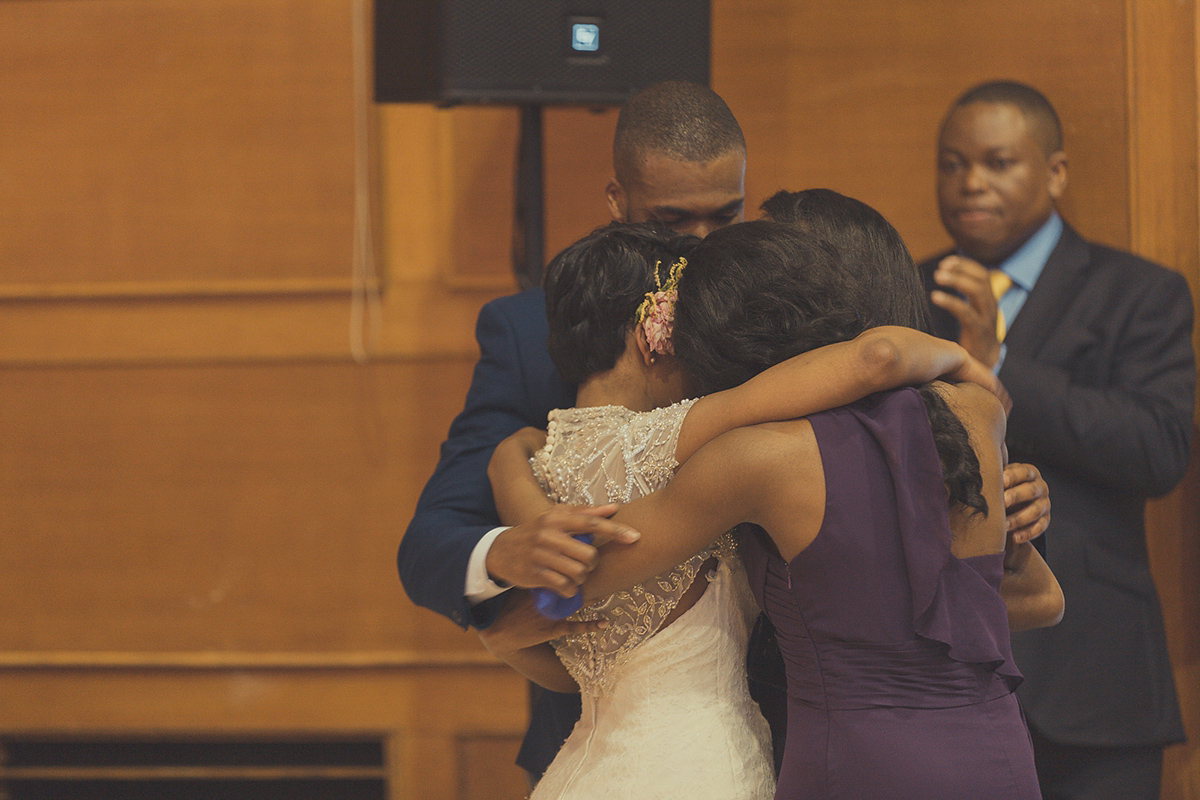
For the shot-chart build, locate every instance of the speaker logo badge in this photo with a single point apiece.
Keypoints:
(585, 37)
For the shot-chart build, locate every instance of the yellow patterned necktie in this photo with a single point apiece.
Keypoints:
(1000, 284)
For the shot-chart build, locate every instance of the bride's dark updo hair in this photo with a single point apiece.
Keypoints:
(594, 287)
(757, 293)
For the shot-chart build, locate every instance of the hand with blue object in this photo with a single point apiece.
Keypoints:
(553, 553)
(552, 605)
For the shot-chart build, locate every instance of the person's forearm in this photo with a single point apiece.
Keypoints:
(827, 377)
(521, 637)
(517, 494)
(540, 664)
(881, 358)
(1031, 592)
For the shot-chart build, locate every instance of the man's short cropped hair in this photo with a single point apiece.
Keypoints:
(1032, 104)
(683, 120)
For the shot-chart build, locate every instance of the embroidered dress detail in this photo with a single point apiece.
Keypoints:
(608, 454)
(666, 708)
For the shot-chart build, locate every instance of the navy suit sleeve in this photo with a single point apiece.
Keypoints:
(1113, 404)
(456, 507)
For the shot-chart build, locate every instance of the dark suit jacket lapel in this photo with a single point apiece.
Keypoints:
(1060, 282)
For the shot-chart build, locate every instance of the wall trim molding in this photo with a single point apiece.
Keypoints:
(229, 660)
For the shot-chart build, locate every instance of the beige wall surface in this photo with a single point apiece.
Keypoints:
(236, 314)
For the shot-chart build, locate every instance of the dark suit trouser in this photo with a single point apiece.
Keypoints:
(1072, 772)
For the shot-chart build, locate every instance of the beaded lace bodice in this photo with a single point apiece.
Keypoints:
(609, 454)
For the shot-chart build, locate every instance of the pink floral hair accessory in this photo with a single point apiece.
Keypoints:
(656, 314)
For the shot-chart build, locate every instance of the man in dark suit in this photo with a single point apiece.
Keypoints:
(1094, 345)
(679, 157)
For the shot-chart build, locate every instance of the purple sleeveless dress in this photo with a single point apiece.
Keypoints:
(900, 677)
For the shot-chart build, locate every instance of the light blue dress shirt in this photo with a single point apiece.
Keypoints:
(1024, 267)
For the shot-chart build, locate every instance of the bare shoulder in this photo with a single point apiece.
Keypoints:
(758, 457)
(792, 441)
(790, 477)
(982, 415)
(978, 409)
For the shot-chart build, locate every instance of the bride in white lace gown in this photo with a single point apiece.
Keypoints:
(666, 713)
(666, 708)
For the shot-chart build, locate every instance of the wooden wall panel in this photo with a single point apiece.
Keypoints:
(487, 772)
(163, 509)
(464, 205)
(479, 162)
(176, 144)
(578, 168)
(1164, 210)
(424, 713)
(201, 492)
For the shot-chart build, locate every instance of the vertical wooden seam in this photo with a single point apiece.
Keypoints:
(1132, 132)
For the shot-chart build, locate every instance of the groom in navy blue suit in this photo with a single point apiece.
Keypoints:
(679, 157)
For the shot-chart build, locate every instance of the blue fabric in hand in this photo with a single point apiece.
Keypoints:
(555, 606)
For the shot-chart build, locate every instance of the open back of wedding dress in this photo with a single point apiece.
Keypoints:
(666, 710)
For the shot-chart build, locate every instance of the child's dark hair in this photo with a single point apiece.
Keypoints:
(594, 287)
(760, 292)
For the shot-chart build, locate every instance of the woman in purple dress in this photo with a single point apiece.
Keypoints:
(880, 548)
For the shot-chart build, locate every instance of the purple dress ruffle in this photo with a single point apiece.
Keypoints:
(900, 674)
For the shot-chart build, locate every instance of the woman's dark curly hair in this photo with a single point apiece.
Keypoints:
(757, 293)
(868, 245)
(594, 288)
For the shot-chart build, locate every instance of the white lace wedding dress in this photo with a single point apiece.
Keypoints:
(666, 710)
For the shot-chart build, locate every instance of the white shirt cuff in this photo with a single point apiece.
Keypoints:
(479, 586)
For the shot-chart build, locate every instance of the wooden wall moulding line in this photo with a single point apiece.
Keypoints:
(132, 774)
(223, 661)
(499, 282)
(176, 291)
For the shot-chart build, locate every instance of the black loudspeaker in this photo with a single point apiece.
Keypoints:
(543, 52)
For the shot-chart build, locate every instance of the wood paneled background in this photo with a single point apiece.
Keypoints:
(236, 313)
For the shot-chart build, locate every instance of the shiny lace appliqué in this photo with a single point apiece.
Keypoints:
(610, 454)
